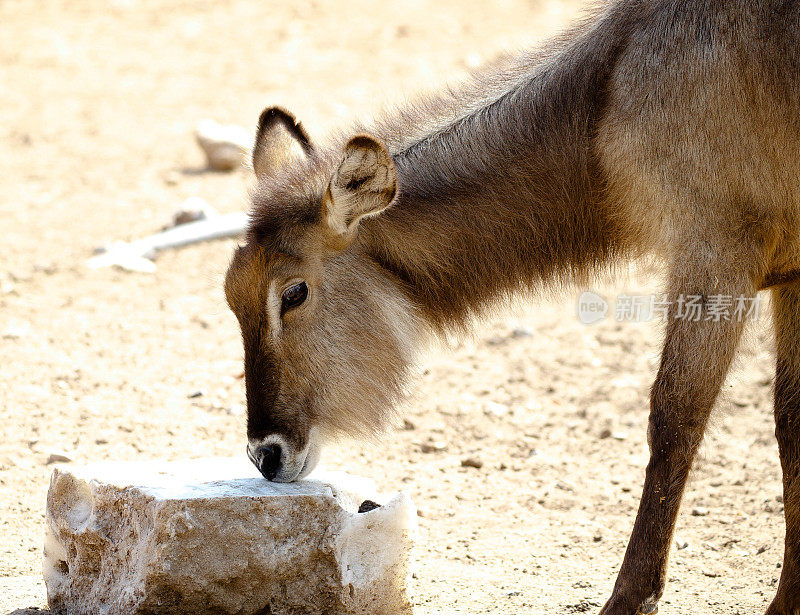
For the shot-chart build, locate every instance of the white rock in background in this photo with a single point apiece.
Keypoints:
(211, 536)
(224, 145)
(136, 255)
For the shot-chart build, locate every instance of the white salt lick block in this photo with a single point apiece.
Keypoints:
(211, 536)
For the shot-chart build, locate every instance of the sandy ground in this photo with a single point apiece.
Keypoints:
(97, 107)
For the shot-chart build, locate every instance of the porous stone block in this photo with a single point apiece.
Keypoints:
(214, 537)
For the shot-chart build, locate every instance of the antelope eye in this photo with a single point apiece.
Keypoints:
(293, 296)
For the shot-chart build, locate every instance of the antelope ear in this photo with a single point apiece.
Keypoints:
(364, 184)
(280, 140)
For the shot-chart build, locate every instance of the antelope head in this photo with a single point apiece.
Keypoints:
(326, 330)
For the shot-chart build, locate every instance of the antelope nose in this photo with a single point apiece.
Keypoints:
(268, 460)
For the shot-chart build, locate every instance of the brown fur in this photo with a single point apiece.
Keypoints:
(658, 127)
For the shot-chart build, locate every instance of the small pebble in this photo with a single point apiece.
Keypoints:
(699, 511)
(45, 268)
(521, 333)
(192, 209)
(235, 410)
(492, 408)
(472, 462)
(433, 447)
(223, 145)
(16, 329)
(58, 458)
(368, 505)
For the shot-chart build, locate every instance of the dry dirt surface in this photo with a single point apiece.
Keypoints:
(97, 107)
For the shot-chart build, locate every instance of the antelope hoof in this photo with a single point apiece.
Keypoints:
(620, 606)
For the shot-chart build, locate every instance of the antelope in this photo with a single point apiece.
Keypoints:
(668, 128)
